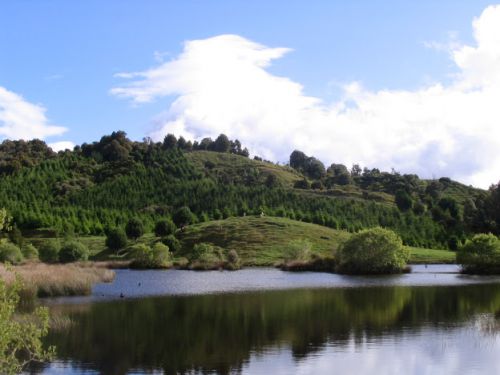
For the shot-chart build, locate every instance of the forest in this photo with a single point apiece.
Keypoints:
(99, 186)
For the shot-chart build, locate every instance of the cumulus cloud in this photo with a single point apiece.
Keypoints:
(61, 146)
(20, 119)
(221, 85)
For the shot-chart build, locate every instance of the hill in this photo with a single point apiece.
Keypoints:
(104, 184)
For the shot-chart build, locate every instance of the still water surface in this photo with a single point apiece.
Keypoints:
(265, 321)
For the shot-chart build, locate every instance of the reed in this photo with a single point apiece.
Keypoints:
(55, 280)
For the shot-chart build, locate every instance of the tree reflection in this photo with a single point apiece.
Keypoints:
(220, 332)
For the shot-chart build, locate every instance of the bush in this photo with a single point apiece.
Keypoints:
(10, 253)
(206, 256)
(161, 254)
(173, 243)
(116, 239)
(147, 257)
(164, 228)
(298, 250)
(29, 251)
(372, 251)
(233, 260)
(134, 229)
(183, 217)
(49, 251)
(73, 251)
(480, 255)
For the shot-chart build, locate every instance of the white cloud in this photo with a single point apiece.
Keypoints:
(20, 119)
(61, 146)
(221, 85)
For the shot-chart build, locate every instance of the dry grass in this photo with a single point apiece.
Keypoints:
(53, 280)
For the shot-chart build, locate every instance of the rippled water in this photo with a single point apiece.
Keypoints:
(265, 321)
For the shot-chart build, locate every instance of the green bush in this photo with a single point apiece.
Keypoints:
(73, 251)
(206, 256)
(146, 257)
(134, 228)
(480, 255)
(164, 228)
(116, 239)
(298, 250)
(49, 251)
(233, 260)
(161, 254)
(10, 253)
(173, 243)
(29, 251)
(372, 251)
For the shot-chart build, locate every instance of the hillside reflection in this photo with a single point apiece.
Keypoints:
(218, 333)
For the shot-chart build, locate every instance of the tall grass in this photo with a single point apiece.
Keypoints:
(54, 280)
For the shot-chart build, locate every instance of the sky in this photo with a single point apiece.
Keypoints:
(413, 86)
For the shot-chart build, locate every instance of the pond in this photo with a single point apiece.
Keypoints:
(265, 321)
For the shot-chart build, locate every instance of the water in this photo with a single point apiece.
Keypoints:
(264, 321)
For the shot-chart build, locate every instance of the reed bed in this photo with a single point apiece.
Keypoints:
(55, 280)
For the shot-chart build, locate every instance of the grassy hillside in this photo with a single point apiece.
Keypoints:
(107, 183)
(236, 168)
(264, 240)
(260, 241)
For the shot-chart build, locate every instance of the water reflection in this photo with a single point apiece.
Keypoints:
(231, 333)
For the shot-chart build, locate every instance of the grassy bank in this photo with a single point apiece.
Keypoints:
(259, 241)
(54, 280)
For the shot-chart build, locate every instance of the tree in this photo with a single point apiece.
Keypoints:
(272, 181)
(134, 229)
(73, 251)
(20, 336)
(183, 217)
(403, 200)
(356, 170)
(314, 168)
(49, 251)
(173, 243)
(116, 239)
(181, 143)
(302, 184)
(297, 159)
(10, 253)
(372, 251)
(480, 255)
(169, 142)
(5, 220)
(114, 151)
(206, 144)
(164, 228)
(222, 144)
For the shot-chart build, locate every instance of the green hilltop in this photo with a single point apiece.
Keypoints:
(103, 185)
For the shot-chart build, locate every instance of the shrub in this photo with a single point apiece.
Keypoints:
(173, 243)
(481, 254)
(29, 251)
(372, 251)
(164, 228)
(134, 228)
(147, 257)
(10, 253)
(73, 251)
(206, 256)
(138, 251)
(49, 251)
(298, 250)
(116, 239)
(161, 254)
(233, 260)
(182, 217)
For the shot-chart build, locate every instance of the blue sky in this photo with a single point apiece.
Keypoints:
(64, 57)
